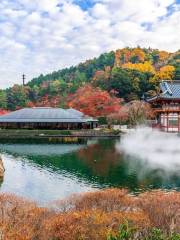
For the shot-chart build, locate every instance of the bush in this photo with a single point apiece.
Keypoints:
(102, 120)
(110, 214)
(127, 233)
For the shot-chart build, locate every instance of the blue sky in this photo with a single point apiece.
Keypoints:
(85, 5)
(41, 36)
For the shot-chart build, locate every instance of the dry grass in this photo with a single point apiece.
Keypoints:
(89, 216)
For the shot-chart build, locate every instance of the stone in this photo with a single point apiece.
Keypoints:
(2, 169)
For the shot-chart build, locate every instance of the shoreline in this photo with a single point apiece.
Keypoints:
(53, 136)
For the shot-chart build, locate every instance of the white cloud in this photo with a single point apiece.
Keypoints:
(41, 36)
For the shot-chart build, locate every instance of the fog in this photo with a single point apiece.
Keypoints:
(154, 149)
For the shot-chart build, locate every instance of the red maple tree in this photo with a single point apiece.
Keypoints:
(3, 111)
(94, 101)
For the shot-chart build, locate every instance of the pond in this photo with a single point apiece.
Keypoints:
(47, 172)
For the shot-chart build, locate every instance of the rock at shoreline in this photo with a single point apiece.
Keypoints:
(2, 169)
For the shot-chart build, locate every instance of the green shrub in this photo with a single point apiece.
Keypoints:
(128, 233)
(102, 120)
(125, 233)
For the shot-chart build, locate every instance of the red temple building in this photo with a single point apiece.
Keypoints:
(166, 106)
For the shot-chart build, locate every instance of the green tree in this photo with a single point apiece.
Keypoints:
(121, 82)
(3, 99)
(177, 73)
(16, 97)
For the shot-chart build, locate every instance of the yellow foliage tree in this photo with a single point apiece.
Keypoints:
(142, 67)
(166, 72)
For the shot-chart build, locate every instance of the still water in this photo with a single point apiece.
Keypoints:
(46, 172)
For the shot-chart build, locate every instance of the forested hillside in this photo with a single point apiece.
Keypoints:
(98, 85)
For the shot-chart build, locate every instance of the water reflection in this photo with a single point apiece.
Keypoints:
(37, 183)
(48, 172)
(40, 149)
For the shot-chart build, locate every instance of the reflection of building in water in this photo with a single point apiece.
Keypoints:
(166, 106)
(98, 165)
(40, 149)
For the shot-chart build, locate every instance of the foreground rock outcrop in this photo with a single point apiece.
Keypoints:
(2, 169)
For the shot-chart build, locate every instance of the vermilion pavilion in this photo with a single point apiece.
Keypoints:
(166, 106)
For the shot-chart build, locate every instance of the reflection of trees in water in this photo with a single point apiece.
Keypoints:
(99, 164)
(40, 149)
(100, 158)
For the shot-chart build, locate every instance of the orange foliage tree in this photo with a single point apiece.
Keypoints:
(30, 104)
(102, 74)
(90, 216)
(126, 55)
(48, 101)
(163, 55)
(119, 117)
(94, 102)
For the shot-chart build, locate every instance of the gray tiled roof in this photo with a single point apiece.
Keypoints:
(170, 90)
(44, 114)
(75, 112)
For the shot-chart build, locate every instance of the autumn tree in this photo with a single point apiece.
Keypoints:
(142, 67)
(102, 77)
(120, 117)
(125, 55)
(139, 112)
(163, 55)
(93, 215)
(94, 102)
(3, 111)
(166, 73)
(130, 71)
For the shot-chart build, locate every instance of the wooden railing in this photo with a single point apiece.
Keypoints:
(167, 109)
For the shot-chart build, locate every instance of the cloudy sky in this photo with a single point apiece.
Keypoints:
(39, 36)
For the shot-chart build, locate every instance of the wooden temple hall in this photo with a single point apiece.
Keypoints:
(47, 118)
(166, 106)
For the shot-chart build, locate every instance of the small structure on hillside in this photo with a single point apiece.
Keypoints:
(166, 106)
(47, 118)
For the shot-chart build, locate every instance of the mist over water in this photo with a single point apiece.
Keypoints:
(141, 161)
(152, 149)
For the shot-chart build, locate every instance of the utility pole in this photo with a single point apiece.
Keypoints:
(23, 77)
